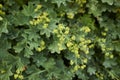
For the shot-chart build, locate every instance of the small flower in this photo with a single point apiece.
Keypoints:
(55, 31)
(83, 66)
(1, 6)
(21, 77)
(31, 22)
(3, 71)
(76, 67)
(2, 12)
(1, 18)
(16, 76)
(60, 26)
(45, 26)
(18, 71)
(73, 37)
(82, 39)
(71, 62)
(104, 33)
(107, 54)
(69, 44)
(42, 43)
(70, 15)
(85, 29)
(85, 60)
(111, 56)
(39, 6)
(39, 49)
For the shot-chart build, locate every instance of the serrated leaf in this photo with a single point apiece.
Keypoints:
(49, 64)
(7, 74)
(28, 10)
(39, 59)
(4, 46)
(20, 19)
(87, 21)
(27, 52)
(81, 75)
(53, 47)
(91, 70)
(110, 2)
(109, 63)
(116, 45)
(59, 2)
(20, 46)
(3, 27)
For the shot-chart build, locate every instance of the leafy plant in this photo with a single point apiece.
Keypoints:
(59, 40)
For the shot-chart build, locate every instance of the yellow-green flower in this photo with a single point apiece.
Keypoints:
(45, 26)
(39, 49)
(55, 31)
(16, 76)
(111, 56)
(83, 66)
(69, 44)
(60, 26)
(1, 6)
(2, 71)
(20, 77)
(73, 37)
(85, 60)
(70, 15)
(76, 67)
(71, 62)
(104, 33)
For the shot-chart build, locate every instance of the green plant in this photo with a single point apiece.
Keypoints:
(59, 40)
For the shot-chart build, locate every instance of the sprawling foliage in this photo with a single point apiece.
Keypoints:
(59, 39)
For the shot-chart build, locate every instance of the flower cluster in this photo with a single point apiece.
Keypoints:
(2, 71)
(39, 6)
(86, 29)
(18, 74)
(42, 46)
(81, 2)
(79, 44)
(70, 15)
(99, 75)
(42, 18)
(105, 49)
(61, 33)
(1, 11)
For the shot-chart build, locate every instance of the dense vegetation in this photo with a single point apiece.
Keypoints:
(59, 39)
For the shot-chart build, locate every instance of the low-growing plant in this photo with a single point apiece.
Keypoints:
(59, 39)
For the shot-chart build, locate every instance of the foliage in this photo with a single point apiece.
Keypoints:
(59, 40)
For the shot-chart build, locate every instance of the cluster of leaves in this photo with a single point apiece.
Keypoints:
(59, 39)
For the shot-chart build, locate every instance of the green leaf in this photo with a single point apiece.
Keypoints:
(34, 73)
(3, 27)
(109, 63)
(116, 45)
(20, 46)
(95, 8)
(53, 47)
(91, 70)
(49, 64)
(28, 10)
(87, 21)
(59, 2)
(27, 52)
(110, 2)
(81, 75)
(7, 74)
(4, 46)
(20, 19)
(39, 60)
